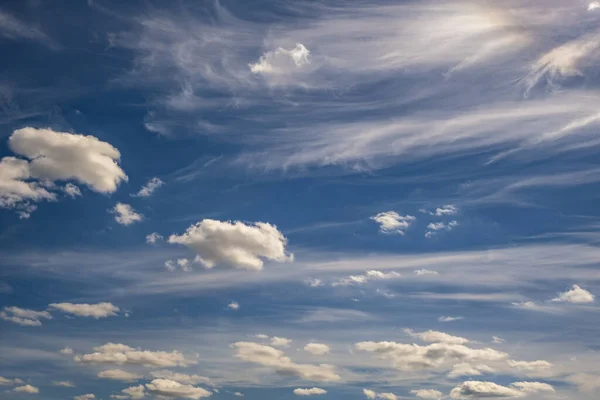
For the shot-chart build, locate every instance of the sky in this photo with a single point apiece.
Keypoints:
(288, 199)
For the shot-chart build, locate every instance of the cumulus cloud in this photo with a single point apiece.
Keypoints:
(370, 394)
(466, 369)
(26, 389)
(449, 319)
(366, 277)
(234, 243)
(392, 222)
(71, 190)
(479, 389)
(593, 6)
(234, 305)
(149, 188)
(530, 365)
(133, 392)
(317, 349)
(119, 375)
(97, 311)
(125, 214)
(408, 357)
(120, 354)
(448, 209)
(309, 392)
(88, 396)
(576, 295)
(9, 382)
(428, 394)
(24, 317)
(423, 271)
(280, 342)
(434, 227)
(181, 378)
(436, 337)
(63, 383)
(275, 359)
(172, 389)
(16, 188)
(282, 60)
(153, 238)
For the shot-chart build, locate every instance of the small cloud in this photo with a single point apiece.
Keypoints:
(261, 336)
(233, 306)
(149, 188)
(67, 351)
(391, 222)
(8, 381)
(23, 316)
(153, 238)
(423, 271)
(315, 283)
(280, 341)
(125, 214)
(72, 191)
(428, 394)
(99, 310)
(317, 349)
(63, 383)
(238, 394)
(434, 227)
(593, 6)
(281, 60)
(119, 375)
(497, 340)
(309, 392)
(576, 295)
(26, 389)
(449, 319)
(366, 277)
(88, 396)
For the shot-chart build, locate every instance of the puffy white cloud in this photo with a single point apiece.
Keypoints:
(181, 378)
(64, 156)
(120, 354)
(67, 351)
(16, 188)
(63, 383)
(576, 295)
(466, 369)
(448, 209)
(423, 271)
(370, 394)
(366, 277)
(8, 381)
(133, 392)
(234, 305)
(392, 222)
(153, 238)
(428, 394)
(530, 365)
(98, 310)
(436, 337)
(479, 389)
(24, 317)
(309, 392)
(407, 357)
(434, 227)
(26, 389)
(88, 396)
(317, 349)
(280, 341)
(119, 375)
(125, 214)
(150, 187)
(449, 319)
(72, 190)
(239, 394)
(282, 60)
(261, 336)
(593, 6)
(234, 243)
(271, 357)
(172, 389)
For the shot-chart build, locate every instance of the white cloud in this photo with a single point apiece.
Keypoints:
(281, 61)
(497, 340)
(428, 394)
(309, 392)
(172, 389)
(434, 227)
(67, 351)
(238, 394)
(72, 190)
(13, 28)
(234, 243)
(233, 306)
(593, 6)
(64, 156)
(436, 337)
(374, 395)
(88, 396)
(63, 383)
(370, 394)
(585, 382)
(423, 271)
(530, 365)
(449, 319)
(392, 222)
(16, 188)
(120, 354)
(125, 214)
(99, 310)
(576, 295)
(317, 349)
(315, 282)
(24, 317)
(153, 238)
(119, 375)
(407, 357)
(466, 369)
(280, 342)
(133, 392)
(150, 187)
(366, 277)
(26, 389)
(479, 389)
(448, 209)
(261, 336)
(182, 378)
(271, 357)
(8, 381)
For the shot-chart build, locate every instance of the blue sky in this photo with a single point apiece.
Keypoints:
(277, 199)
